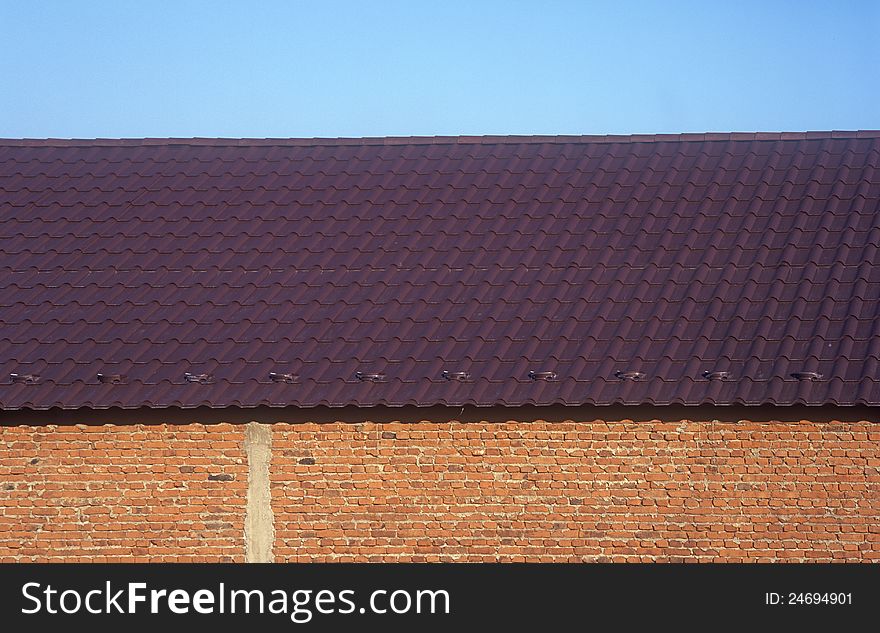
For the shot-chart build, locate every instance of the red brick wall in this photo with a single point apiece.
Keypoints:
(122, 493)
(577, 491)
(425, 488)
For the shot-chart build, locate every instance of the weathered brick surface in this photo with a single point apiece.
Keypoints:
(577, 491)
(122, 493)
(440, 490)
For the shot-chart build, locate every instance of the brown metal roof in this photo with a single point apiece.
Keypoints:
(691, 269)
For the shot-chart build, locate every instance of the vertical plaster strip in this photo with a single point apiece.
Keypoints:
(259, 523)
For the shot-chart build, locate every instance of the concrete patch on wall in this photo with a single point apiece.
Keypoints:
(259, 528)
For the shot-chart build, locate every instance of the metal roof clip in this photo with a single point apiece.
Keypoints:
(629, 375)
(369, 377)
(25, 379)
(542, 375)
(716, 375)
(202, 379)
(460, 376)
(111, 379)
(288, 378)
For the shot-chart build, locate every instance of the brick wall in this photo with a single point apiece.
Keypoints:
(122, 493)
(413, 485)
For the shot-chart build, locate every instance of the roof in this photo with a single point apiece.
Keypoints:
(305, 272)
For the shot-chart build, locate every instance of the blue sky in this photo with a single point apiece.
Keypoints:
(282, 69)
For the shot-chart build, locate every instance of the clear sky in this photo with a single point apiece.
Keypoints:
(259, 68)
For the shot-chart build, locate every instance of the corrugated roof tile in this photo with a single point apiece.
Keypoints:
(668, 255)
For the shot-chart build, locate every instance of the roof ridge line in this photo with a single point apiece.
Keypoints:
(442, 140)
